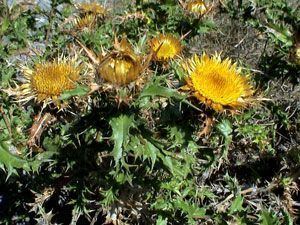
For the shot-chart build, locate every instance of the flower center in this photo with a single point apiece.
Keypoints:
(165, 47)
(52, 79)
(217, 85)
(166, 50)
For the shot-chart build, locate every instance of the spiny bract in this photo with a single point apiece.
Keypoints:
(85, 22)
(122, 66)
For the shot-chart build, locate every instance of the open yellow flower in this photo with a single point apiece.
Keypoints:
(121, 66)
(165, 47)
(197, 7)
(217, 83)
(47, 81)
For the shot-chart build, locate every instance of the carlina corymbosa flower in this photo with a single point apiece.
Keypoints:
(89, 15)
(85, 22)
(217, 83)
(197, 7)
(122, 66)
(46, 81)
(165, 47)
(92, 8)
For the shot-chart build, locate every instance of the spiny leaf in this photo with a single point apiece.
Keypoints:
(152, 150)
(192, 210)
(120, 135)
(237, 205)
(161, 221)
(40, 158)
(156, 90)
(78, 91)
(108, 196)
(281, 33)
(268, 218)
(167, 161)
(287, 218)
(225, 128)
(10, 160)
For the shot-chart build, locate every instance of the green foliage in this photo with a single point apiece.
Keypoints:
(78, 91)
(268, 218)
(161, 221)
(225, 128)
(11, 161)
(137, 154)
(237, 205)
(258, 134)
(120, 136)
(156, 90)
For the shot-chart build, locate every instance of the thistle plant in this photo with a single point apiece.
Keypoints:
(121, 121)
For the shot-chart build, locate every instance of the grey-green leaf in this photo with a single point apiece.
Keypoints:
(152, 152)
(156, 90)
(78, 91)
(10, 160)
(161, 221)
(237, 205)
(225, 128)
(268, 218)
(120, 126)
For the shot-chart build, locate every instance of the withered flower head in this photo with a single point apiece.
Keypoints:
(122, 66)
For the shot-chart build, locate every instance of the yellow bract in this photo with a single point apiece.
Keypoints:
(121, 66)
(196, 6)
(217, 83)
(87, 21)
(49, 80)
(119, 70)
(165, 47)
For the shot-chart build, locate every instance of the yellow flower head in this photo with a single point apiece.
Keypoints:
(121, 66)
(165, 47)
(47, 81)
(93, 8)
(197, 7)
(217, 83)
